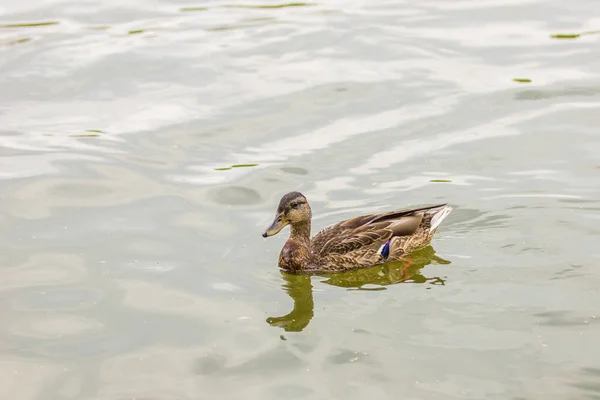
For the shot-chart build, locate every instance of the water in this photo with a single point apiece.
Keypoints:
(132, 264)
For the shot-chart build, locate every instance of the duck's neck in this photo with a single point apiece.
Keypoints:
(295, 254)
(301, 232)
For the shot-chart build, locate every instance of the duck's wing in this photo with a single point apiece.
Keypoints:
(368, 231)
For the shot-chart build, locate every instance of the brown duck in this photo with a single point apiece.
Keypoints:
(354, 243)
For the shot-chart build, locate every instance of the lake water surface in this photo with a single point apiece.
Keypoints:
(144, 146)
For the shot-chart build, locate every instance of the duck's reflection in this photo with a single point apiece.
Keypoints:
(299, 286)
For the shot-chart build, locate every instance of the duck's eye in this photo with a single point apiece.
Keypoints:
(295, 205)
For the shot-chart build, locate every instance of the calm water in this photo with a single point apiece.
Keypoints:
(144, 147)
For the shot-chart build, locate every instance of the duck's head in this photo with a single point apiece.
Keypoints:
(293, 210)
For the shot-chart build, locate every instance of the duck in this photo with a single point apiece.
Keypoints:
(358, 242)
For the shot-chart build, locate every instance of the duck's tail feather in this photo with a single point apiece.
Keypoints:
(438, 217)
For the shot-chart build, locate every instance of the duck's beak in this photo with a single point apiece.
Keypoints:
(278, 224)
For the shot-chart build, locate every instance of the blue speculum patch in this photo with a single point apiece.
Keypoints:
(385, 252)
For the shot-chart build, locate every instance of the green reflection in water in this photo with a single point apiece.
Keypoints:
(223, 28)
(90, 133)
(136, 31)
(235, 166)
(440, 180)
(243, 165)
(271, 6)
(188, 9)
(299, 286)
(29, 24)
(522, 80)
(565, 36)
(573, 35)
(19, 41)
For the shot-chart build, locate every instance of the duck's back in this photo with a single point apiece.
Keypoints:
(365, 235)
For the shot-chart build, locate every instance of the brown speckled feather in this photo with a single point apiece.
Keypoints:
(367, 230)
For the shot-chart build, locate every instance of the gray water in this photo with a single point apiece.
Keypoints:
(144, 147)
